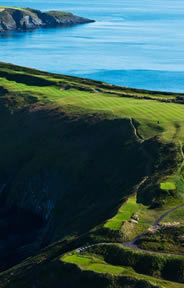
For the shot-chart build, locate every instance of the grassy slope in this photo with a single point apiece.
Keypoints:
(97, 263)
(123, 219)
(31, 12)
(24, 10)
(80, 107)
(166, 118)
(158, 266)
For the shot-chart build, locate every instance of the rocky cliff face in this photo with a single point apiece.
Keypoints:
(28, 19)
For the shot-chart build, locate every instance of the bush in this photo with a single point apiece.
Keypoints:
(170, 268)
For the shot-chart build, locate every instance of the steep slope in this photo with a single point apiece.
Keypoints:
(73, 151)
(13, 18)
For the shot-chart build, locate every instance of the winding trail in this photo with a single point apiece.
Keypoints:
(182, 155)
(132, 244)
(165, 214)
(141, 140)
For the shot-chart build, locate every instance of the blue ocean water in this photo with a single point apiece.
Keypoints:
(132, 43)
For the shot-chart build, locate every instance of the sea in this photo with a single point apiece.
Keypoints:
(133, 43)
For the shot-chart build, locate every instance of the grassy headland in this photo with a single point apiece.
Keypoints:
(94, 163)
(18, 19)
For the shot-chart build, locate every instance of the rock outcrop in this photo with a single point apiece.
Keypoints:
(24, 19)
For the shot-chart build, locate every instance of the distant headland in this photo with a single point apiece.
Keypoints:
(23, 19)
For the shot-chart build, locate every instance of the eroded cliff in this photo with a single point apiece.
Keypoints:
(12, 18)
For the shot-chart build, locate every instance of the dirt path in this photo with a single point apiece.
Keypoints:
(182, 155)
(132, 244)
(165, 214)
(141, 140)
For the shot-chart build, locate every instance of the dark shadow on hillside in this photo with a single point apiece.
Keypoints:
(65, 173)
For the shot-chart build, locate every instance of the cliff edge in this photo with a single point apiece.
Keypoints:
(23, 19)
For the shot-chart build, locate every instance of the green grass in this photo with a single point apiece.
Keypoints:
(168, 238)
(97, 264)
(176, 216)
(52, 13)
(127, 107)
(168, 185)
(119, 107)
(174, 183)
(124, 214)
(122, 220)
(59, 13)
(155, 117)
(26, 11)
(75, 128)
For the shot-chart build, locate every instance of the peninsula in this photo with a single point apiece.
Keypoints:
(23, 19)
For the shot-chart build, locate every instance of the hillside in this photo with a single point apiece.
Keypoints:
(13, 18)
(91, 183)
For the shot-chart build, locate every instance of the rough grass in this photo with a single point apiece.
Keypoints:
(124, 214)
(101, 157)
(176, 216)
(155, 117)
(24, 10)
(141, 110)
(29, 12)
(167, 238)
(122, 220)
(96, 263)
(59, 13)
(26, 86)
(149, 113)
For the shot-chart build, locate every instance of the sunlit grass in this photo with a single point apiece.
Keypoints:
(124, 214)
(168, 185)
(155, 118)
(95, 263)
